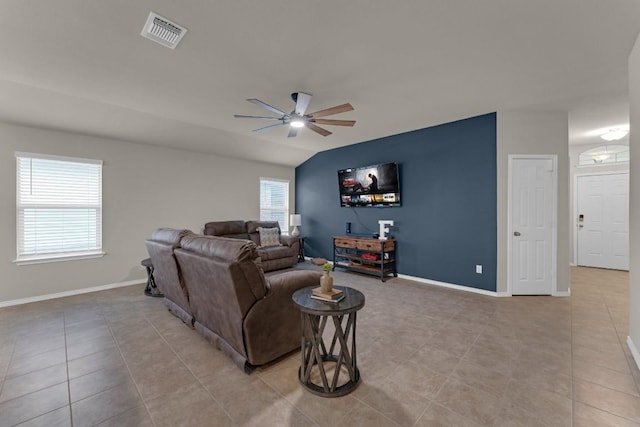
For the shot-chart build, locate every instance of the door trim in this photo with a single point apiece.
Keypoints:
(554, 227)
(574, 219)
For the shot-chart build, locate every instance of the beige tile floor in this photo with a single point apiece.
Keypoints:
(428, 357)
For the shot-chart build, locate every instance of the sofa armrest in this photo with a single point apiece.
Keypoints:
(285, 284)
(288, 240)
(272, 326)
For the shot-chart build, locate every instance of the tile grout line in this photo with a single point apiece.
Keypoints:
(124, 360)
(188, 369)
(66, 359)
(53, 385)
(288, 400)
(573, 392)
(573, 400)
(6, 371)
(365, 403)
(386, 377)
(432, 400)
(450, 375)
(622, 343)
(500, 398)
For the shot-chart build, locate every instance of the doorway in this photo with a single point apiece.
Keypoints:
(602, 220)
(532, 244)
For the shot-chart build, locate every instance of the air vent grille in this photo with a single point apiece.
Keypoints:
(163, 31)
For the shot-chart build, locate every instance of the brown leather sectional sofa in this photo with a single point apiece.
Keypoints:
(217, 284)
(273, 257)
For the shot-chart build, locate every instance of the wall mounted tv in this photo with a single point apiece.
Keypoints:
(370, 186)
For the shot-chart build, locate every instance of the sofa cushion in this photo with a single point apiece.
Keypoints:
(233, 229)
(269, 237)
(274, 252)
(252, 226)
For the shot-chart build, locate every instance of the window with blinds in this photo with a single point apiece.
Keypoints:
(274, 202)
(59, 207)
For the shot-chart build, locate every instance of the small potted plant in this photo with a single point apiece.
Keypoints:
(326, 281)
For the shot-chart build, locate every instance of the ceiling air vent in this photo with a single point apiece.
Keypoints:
(163, 31)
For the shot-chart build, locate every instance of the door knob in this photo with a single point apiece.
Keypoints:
(516, 233)
(580, 225)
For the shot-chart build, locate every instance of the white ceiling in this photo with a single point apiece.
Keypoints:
(82, 66)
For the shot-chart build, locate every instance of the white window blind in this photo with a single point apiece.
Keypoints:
(274, 202)
(59, 202)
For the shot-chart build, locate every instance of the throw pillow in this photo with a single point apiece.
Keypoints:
(269, 236)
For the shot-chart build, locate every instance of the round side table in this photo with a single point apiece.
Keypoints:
(151, 290)
(340, 353)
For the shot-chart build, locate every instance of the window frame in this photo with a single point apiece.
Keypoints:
(284, 228)
(22, 259)
(613, 151)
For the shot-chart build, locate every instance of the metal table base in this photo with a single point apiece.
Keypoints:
(338, 352)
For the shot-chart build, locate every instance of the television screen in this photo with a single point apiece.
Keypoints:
(376, 185)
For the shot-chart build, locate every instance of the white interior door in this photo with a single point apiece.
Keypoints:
(532, 207)
(603, 221)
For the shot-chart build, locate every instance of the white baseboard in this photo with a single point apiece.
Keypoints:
(634, 351)
(71, 293)
(562, 293)
(452, 286)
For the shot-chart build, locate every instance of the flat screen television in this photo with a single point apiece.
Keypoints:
(370, 186)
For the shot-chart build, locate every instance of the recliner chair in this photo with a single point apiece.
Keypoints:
(245, 314)
(166, 273)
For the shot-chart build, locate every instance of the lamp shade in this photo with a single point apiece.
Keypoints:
(295, 220)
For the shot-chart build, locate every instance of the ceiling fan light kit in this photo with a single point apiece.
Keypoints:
(298, 119)
(297, 122)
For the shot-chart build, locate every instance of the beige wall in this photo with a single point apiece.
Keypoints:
(522, 132)
(634, 200)
(144, 187)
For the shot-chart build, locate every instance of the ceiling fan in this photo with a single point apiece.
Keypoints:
(298, 119)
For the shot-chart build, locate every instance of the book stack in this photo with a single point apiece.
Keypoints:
(334, 296)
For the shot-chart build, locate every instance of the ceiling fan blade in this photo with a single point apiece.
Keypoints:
(333, 110)
(267, 106)
(267, 127)
(318, 129)
(302, 102)
(335, 122)
(240, 116)
(292, 132)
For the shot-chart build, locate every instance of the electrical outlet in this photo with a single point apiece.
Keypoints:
(479, 268)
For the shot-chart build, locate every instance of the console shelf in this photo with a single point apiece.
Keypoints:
(350, 253)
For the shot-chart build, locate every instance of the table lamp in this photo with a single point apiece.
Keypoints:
(295, 220)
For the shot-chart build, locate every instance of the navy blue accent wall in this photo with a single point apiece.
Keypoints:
(447, 222)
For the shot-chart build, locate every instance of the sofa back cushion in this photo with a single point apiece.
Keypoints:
(233, 229)
(254, 234)
(166, 274)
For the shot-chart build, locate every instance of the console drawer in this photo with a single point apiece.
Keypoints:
(368, 245)
(345, 243)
